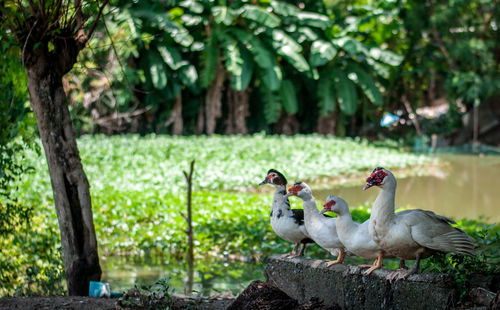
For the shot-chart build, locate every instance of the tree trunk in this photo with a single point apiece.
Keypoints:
(200, 120)
(237, 104)
(287, 124)
(241, 111)
(231, 106)
(177, 114)
(69, 182)
(327, 124)
(213, 99)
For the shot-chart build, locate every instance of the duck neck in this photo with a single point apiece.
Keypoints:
(345, 222)
(310, 209)
(279, 198)
(383, 208)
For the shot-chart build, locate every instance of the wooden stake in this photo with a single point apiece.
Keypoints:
(189, 232)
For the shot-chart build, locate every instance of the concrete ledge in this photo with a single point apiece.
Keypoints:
(346, 286)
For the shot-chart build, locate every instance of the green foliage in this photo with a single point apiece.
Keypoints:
(156, 296)
(486, 261)
(326, 94)
(16, 135)
(422, 50)
(322, 52)
(289, 97)
(347, 96)
(175, 49)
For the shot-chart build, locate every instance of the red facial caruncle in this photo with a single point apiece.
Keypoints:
(329, 204)
(376, 178)
(271, 176)
(294, 190)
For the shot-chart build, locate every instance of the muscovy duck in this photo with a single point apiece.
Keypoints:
(286, 222)
(410, 234)
(354, 236)
(321, 228)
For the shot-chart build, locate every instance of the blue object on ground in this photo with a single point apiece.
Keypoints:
(388, 119)
(99, 289)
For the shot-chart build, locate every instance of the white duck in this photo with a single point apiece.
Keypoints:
(286, 222)
(354, 236)
(410, 234)
(321, 228)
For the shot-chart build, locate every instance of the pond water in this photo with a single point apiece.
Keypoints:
(465, 187)
(210, 277)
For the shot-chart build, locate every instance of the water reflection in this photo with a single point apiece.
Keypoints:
(466, 188)
(209, 277)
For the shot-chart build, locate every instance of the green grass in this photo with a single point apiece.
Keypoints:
(138, 192)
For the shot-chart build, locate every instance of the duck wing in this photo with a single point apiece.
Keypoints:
(435, 232)
(298, 216)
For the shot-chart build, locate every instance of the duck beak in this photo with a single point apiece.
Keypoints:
(264, 182)
(368, 185)
(323, 211)
(291, 192)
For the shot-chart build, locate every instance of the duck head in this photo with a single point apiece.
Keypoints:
(301, 190)
(335, 204)
(380, 177)
(275, 178)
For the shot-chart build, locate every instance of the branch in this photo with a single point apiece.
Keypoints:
(114, 50)
(78, 14)
(41, 7)
(94, 24)
(439, 41)
(26, 41)
(56, 11)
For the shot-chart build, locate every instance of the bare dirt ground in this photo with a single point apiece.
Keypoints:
(57, 302)
(84, 303)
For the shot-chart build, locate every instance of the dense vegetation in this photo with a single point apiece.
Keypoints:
(204, 66)
(138, 192)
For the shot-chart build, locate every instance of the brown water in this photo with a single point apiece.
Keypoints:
(466, 187)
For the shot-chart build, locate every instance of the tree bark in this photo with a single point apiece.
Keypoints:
(200, 120)
(327, 124)
(69, 182)
(287, 124)
(177, 114)
(213, 99)
(237, 111)
(241, 111)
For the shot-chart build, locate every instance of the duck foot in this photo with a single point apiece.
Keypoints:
(291, 254)
(302, 251)
(376, 264)
(370, 270)
(339, 260)
(402, 273)
(333, 262)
